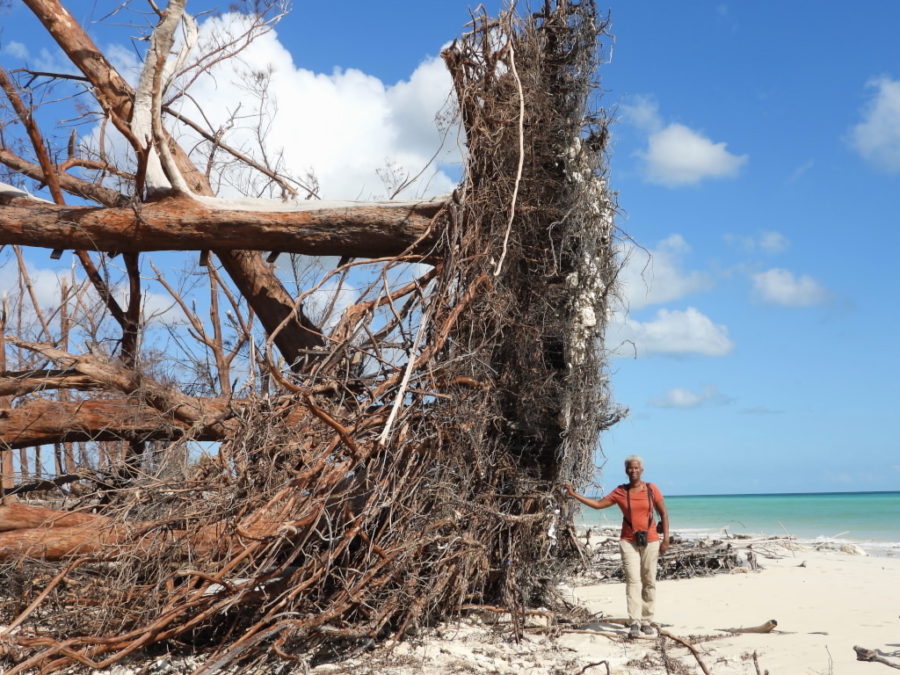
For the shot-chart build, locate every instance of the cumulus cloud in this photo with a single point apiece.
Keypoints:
(46, 60)
(670, 332)
(767, 241)
(15, 49)
(676, 155)
(877, 137)
(47, 284)
(346, 127)
(680, 397)
(782, 287)
(657, 275)
(643, 113)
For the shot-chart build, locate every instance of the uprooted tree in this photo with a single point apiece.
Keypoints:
(368, 464)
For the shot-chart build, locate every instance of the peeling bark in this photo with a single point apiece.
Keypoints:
(182, 224)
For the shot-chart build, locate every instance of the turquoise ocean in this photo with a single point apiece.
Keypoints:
(868, 519)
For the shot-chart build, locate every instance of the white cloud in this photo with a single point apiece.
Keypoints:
(767, 241)
(680, 397)
(45, 60)
(772, 242)
(15, 49)
(343, 126)
(800, 171)
(45, 284)
(642, 113)
(655, 276)
(781, 287)
(877, 137)
(678, 156)
(672, 332)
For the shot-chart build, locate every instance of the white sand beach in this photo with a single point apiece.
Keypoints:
(825, 602)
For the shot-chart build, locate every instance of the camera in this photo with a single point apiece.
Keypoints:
(640, 537)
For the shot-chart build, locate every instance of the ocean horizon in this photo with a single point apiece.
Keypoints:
(868, 519)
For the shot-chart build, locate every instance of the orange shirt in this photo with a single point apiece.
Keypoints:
(641, 510)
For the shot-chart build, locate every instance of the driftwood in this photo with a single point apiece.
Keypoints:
(691, 648)
(684, 560)
(766, 627)
(876, 656)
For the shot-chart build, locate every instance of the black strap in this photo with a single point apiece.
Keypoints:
(627, 518)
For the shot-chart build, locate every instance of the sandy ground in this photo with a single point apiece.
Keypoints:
(825, 602)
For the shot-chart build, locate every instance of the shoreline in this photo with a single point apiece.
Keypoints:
(876, 548)
(867, 519)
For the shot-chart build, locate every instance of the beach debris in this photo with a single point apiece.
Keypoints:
(766, 627)
(685, 560)
(852, 549)
(756, 664)
(876, 656)
(849, 549)
(682, 641)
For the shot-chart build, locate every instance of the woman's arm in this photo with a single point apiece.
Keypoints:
(663, 512)
(604, 503)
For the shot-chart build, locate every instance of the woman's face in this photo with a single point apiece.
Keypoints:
(634, 470)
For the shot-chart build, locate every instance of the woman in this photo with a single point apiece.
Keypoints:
(639, 541)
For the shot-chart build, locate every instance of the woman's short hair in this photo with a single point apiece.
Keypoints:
(634, 458)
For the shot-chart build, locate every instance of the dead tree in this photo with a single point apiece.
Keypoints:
(375, 465)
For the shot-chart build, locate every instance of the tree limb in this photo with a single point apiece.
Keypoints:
(183, 224)
(29, 381)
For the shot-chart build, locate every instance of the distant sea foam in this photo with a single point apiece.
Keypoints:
(868, 519)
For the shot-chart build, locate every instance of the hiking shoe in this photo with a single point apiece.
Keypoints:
(649, 631)
(634, 631)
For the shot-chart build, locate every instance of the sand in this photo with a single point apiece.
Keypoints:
(825, 602)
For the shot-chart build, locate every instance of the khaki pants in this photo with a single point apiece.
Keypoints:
(639, 564)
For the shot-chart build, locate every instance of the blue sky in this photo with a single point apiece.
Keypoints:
(756, 158)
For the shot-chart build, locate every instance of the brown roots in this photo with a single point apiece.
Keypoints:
(420, 474)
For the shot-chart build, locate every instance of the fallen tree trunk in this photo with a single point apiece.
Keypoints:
(29, 381)
(21, 516)
(36, 532)
(410, 491)
(368, 230)
(100, 538)
(42, 421)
